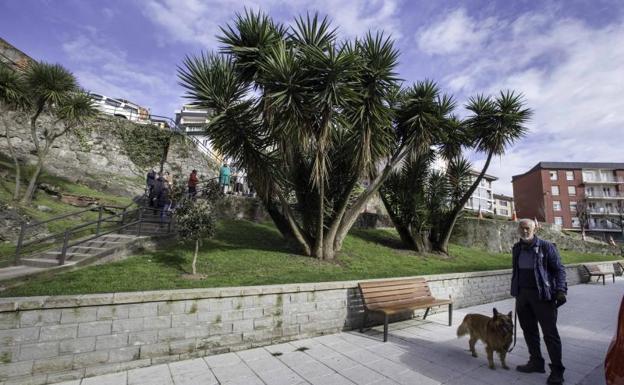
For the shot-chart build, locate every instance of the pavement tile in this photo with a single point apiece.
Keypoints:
(264, 365)
(332, 379)
(192, 372)
(152, 375)
(362, 375)
(219, 360)
(254, 354)
(312, 369)
(281, 377)
(232, 372)
(107, 379)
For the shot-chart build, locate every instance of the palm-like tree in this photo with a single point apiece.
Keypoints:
(53, 90)
(425, 204)
(307, 117)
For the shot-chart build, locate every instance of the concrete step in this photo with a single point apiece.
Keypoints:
(41, 262)
(68, 254)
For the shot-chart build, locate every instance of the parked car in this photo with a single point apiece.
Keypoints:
(121, 108)
(614, 362)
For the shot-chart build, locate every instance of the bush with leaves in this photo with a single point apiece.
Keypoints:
(195, 220)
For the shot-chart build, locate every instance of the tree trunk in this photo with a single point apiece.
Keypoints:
(195, 256)
(442, 246)
(18, 176)
(165, 153)
(318, 242)
(32, 185)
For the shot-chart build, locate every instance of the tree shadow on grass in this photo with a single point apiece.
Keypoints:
(381, 237)
(241, 234)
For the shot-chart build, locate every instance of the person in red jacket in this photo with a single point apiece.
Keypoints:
(192, 184)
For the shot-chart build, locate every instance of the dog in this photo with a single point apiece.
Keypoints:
(495, 332)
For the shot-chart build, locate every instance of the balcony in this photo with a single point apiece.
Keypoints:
(603, 195)
(602, 211)
(603, 180)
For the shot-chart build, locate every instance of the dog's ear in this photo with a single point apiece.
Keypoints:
(495, 312)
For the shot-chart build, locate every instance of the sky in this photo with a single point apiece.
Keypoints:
(565, 57)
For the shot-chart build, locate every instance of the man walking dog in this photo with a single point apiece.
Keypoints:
(539, 285)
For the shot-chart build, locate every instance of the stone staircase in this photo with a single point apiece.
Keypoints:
(83, 253)
(103, 246)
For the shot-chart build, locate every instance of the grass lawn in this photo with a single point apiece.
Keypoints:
(245, 253)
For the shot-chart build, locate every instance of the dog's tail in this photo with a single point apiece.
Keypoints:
(462, 330)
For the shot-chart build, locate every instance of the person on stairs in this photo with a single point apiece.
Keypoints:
(192, 184)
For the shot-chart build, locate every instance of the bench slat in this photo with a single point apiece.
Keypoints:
(412, 286)
(365, 285)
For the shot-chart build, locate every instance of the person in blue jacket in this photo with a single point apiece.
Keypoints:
(224, 177)
(538, 282)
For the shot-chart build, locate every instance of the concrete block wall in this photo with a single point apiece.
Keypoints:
(57, 338)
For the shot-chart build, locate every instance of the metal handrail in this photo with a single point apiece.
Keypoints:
(24, 226)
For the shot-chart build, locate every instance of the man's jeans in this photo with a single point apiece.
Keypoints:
(531, 311)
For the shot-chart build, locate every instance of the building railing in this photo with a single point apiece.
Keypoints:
(172, 126)
(600, 179)
(601, 194)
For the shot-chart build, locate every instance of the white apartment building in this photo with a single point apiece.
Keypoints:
(482, 198)
(503, 205)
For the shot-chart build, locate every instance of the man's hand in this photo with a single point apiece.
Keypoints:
(560, 298)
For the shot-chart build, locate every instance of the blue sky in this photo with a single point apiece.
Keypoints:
(566, 57)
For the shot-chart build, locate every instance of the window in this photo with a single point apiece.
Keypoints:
(504, 212)
(557, 205)
(573, 206)
(554, 190)
(553, 175)
(569, 175)
(503, 203)
(576, 222)
(112, 102)
(559, 221)
(96, 97)
(589, 191)
(572, 190)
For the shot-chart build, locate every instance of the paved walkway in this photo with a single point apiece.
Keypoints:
(418, 352)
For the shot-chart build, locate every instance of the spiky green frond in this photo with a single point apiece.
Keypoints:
(497, 124)
(77, 109)
(12, 88)
(49, 84)
(313, 31)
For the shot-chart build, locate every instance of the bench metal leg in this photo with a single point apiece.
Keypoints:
(385, 327)
(364, 321)
(450, 314)
(613, 278)
(426, 313)
(603, 280)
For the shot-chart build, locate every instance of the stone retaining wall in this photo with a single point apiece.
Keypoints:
(57, 338)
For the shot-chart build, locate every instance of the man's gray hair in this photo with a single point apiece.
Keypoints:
(528, 221)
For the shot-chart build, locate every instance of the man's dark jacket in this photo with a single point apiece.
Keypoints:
(550, 274)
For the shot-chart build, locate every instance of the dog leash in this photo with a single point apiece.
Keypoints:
(515, 324)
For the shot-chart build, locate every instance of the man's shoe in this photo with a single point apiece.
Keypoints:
(556, 375)
(535, 365)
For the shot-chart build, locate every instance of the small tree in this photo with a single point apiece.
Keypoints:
(195, 220)
(53, 90)
(12, 98)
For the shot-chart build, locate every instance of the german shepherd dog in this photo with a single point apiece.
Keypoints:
(496, 333)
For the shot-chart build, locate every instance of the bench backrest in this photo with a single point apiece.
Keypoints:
(593, 269)
(380, 293)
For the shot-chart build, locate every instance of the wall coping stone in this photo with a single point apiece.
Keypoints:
(68, 301)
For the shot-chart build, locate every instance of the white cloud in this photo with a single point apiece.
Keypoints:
(456, 32)
(571, 76)
(106, 70)
(198, 22)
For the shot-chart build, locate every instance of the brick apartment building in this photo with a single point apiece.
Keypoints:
(555, 192)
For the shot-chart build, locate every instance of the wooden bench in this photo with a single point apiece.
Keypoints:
(594, 271)
(396, 296)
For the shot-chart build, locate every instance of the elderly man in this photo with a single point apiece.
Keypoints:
(539, 284)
